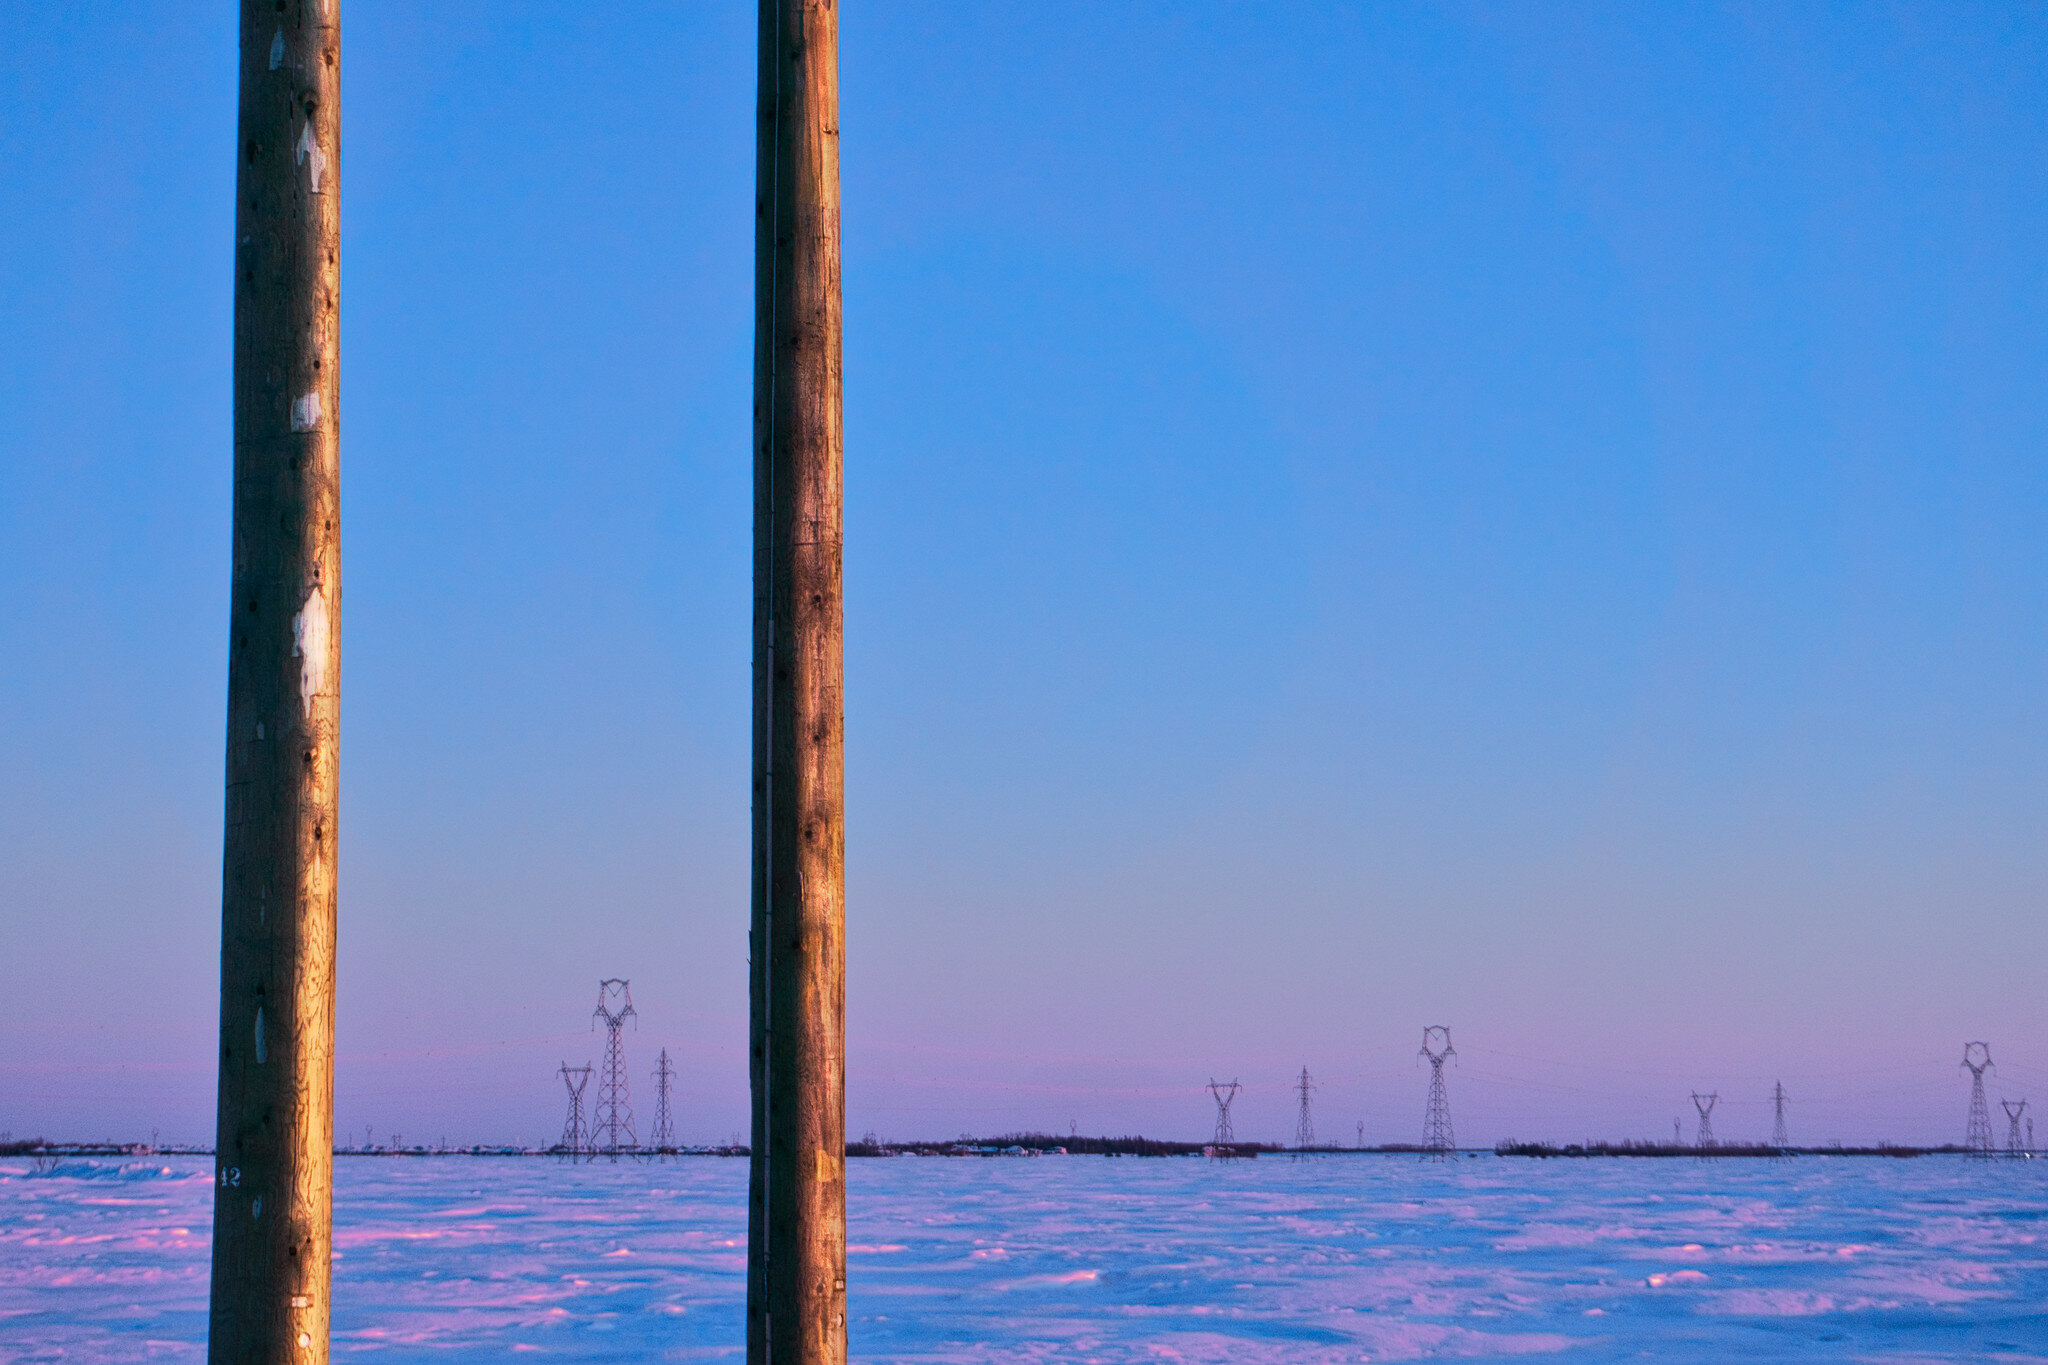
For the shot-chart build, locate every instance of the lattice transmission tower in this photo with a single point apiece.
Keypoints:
(1304, 1123)
(664, 1116)
(1977, 1136)
(1779, 1137)
(1224, 1092)
(612, 1132)
(1705, 1105)
(575, 1135)
(1438, 1141)
(2015, 1110)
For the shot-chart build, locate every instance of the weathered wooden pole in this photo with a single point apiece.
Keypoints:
(273, 1186)
(796, 1233)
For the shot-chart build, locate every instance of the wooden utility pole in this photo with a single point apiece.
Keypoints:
(273, 1182)
(796, 1229)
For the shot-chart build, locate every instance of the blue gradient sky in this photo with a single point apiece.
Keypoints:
(1528, 518)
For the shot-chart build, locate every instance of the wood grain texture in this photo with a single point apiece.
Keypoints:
(273, 1188)
(796, 1285)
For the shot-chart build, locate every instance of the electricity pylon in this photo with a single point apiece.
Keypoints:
(612, 1133)
(574, 1134)
(1977, 1135)
(664, 1119)
(1779, 1138)
(2014, 1109)
(1304, 1125)
(1438, 1142)
(1224, 1092)
(1705, 1104)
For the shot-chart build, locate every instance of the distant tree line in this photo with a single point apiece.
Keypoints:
(1752, 1149)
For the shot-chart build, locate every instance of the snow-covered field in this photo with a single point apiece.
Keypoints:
(1087, 1259)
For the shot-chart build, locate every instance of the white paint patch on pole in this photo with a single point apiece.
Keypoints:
(311, 636)
(309, 154)
(277, 50)
(306, 412)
